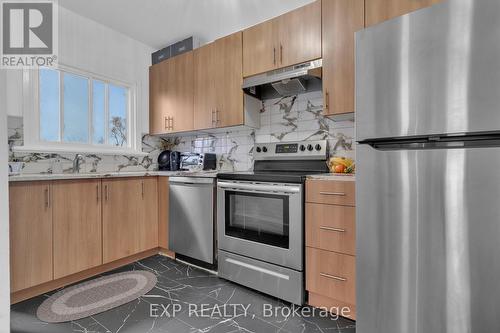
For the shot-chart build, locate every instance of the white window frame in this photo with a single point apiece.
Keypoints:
(31, 116)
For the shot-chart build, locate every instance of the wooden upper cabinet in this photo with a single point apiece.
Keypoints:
(157, 122)
(381, 10)
(229, 78)
(340, 20)
(179, 92)
(30, 206)
(77, 226)
(260, 53)
(147, 226)
(300, 35)
(171, 95)
(218, 77)
(287, 40)
(204, 86)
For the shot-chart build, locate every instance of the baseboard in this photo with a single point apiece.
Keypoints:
(27, 293)
(320, 301)
(166, 253)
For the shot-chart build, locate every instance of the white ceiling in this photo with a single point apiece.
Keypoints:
(158, 23)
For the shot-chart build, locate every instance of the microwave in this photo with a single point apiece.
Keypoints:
(197, 161)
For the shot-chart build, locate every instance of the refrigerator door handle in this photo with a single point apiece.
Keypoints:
(469, 140)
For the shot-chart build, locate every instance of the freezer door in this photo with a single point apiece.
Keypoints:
(434, 71)
(428, 240)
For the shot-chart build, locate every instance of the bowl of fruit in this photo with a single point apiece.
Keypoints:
(342, 165)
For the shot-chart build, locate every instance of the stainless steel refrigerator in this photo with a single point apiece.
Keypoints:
(428, 171)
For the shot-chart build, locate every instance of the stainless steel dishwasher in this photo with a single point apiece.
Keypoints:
(191, 217)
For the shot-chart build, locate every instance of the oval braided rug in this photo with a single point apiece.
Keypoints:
(95, 296)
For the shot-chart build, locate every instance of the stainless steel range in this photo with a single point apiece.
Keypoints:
(260, 218)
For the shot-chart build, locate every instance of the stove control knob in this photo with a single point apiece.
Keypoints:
(310, 147)
(318, 147)
(302, 147)
(258, 149)
(264, 149)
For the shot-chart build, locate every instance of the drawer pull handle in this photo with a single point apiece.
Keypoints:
(341, 194)
(258, 269)
(332, 229)
(333, 277)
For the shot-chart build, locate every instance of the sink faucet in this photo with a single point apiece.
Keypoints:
(76, 163)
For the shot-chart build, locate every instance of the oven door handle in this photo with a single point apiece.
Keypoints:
(293, 189)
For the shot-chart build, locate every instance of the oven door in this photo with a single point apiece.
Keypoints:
(262, 221)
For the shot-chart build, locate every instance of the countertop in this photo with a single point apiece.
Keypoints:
(49, 176)
(333, 176)
(202, 174)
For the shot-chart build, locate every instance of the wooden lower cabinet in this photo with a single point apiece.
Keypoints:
(148, 224)
(163, 198)
(130, 217)
(77, 226)
(120, 215)
(65, 229)
(331, 227)
(331, 245)
(331, 192)
(30, 208)
(331, 274)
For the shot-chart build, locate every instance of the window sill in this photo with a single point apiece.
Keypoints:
(77, 150)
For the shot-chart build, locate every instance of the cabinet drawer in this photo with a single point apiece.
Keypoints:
(330, 192)
(331, 274)
(331, 227)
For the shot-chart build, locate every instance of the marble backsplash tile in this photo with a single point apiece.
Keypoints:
(293, 118)
(284, 119)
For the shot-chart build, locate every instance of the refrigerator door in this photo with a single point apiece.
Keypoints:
(434, 71)
(428, 240)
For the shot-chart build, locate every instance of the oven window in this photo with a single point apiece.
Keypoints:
(261, 218)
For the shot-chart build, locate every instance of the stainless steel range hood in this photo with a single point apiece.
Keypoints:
(286, 81)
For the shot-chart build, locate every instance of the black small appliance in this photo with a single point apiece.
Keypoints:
(175, 161)
(164, 161)
(205, 161)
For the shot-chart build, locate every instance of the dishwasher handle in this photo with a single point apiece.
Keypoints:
(191, 180)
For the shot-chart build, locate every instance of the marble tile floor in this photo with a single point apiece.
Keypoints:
(186, 299)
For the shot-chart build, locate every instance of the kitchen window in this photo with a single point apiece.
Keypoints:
(75, 111)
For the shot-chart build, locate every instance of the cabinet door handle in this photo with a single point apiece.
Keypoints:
(327, 98)
(274, 55)
(171, 123)
(333, 277)
(97, 192)
(47, 197)
(213, 117)
(166, 123)
(106, 195)
(217, 120)
(281, 54)
(142, 189)
(340, 194)
(332, 229)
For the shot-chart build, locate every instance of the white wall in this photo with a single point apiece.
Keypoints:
(4, 215)
(93, 47)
